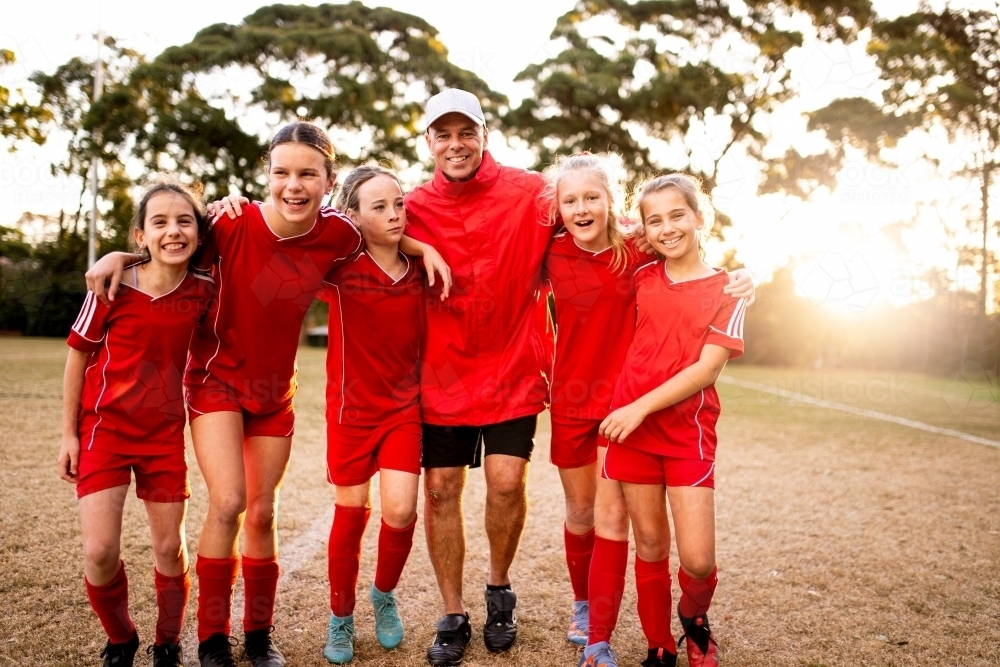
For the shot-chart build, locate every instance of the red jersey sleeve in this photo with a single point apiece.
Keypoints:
(88, 332)
(727, 328)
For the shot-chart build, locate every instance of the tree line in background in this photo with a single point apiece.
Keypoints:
(697, 79)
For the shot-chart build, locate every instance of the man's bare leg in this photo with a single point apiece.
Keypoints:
(444, 523)
(506, 510)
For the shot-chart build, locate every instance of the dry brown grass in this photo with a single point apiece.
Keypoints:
(842, 541)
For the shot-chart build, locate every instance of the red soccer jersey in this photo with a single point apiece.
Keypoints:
(265, 285)
(485, 353)
(375, 333)
(674, 322)
(133, 396)
(595, 320)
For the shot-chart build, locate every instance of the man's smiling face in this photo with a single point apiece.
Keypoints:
(457, 143)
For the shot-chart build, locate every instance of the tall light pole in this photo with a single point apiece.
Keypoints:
(98, 85)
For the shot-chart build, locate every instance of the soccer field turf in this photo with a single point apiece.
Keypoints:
(842, 539)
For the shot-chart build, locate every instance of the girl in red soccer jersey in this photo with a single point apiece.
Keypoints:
(123, 411)
(664, 412)
(590, 267)
(269, 262)
(372, 405)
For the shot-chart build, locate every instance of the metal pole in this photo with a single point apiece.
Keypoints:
(92, 231)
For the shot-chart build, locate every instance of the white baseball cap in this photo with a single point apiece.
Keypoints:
(453, 100)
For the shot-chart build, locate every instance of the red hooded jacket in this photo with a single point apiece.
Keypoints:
(485, 350)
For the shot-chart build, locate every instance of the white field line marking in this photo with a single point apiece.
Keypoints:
(802, 398)
(292, 556)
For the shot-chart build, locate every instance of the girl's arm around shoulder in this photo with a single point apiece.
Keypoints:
(740, 285)
(434, 263)
(104, 277)
(69, 450)
(688, 382)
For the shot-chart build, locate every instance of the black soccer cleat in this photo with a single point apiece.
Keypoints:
(258, 646)
(217, 651)
(500, 630)
(453, 634)
(659, 657)
(702, 650)
(121, 655)
(166, 655)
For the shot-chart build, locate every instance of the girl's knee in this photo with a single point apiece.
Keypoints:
(652, 548)
(228, 507)
(399, 516)
(260, 516)
(103, 556)
(579, 514)
(699, 568)
(169, 550)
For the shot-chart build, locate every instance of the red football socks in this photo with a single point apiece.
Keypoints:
(696, 594)
(394, 546)
(579, 551)
(652, 583)
(344, 556)
(260, 585)
(172, 595)
(216, 581)
(110, 603)
(606, 587)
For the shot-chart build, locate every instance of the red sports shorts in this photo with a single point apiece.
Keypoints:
(575, 441)
(213, 396)
(159, 477)
(635, 466)
(355, 453)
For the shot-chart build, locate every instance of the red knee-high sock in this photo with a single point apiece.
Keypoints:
(216, 581)
(110, 603)
(394, 546)
(260, 586)
(696, 594)
(172, 595)
(344, 557)
(606, 587)
(579, 551)
(652, 584)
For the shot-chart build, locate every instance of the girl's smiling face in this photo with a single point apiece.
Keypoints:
(583, 206)
(298, 181)
(670, 225)
(170, 229)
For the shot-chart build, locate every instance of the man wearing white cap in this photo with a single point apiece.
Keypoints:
(481, 374)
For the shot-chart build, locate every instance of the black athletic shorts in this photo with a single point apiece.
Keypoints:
(459, 446)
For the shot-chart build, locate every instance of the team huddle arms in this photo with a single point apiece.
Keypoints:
(439, 359)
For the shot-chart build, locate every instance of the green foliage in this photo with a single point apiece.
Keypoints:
(18, 120)
(361, 71)
(676, 67)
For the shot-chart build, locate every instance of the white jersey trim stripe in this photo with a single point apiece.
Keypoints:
(215, 326)
(735, 328)
(707, 475)
(104, 386)
(343, 354)
(701, 453)
(83, 309)
(82, 326)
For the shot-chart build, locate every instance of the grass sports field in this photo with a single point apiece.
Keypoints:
(843, 539)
